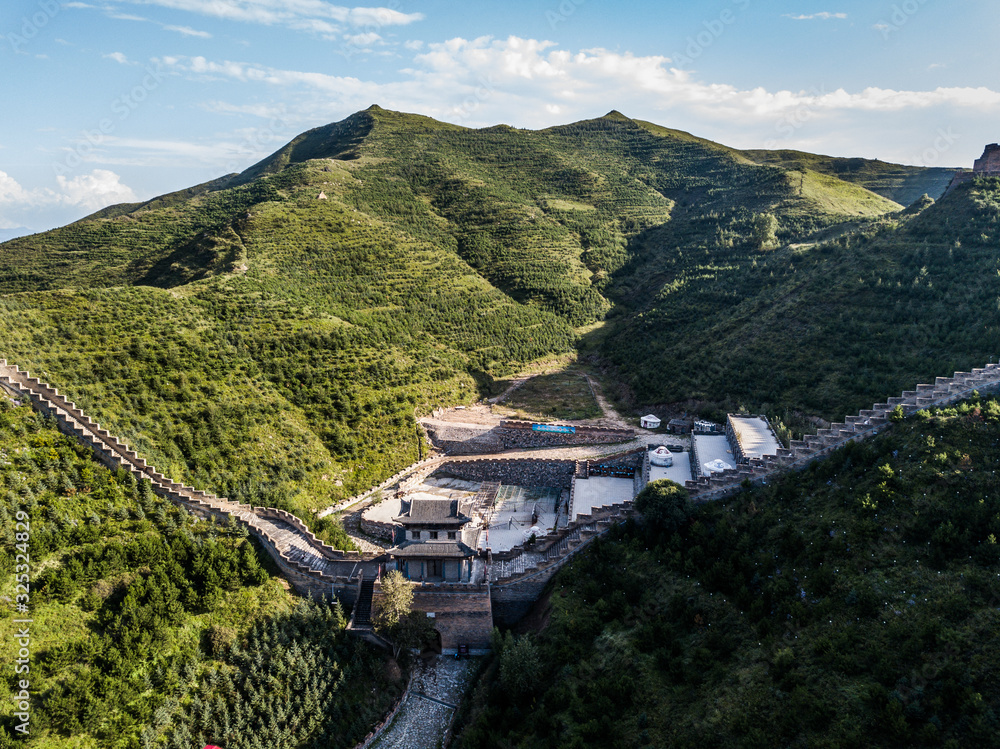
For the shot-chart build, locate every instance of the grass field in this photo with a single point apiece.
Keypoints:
(557, 396)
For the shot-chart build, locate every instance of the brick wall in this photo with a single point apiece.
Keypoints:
(521, 472)
(463, 615)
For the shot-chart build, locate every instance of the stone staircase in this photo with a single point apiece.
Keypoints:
(363, 608)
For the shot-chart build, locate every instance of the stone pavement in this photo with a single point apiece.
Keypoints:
(437, 689)
(352, 525)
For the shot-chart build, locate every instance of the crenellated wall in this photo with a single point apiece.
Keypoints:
(309, 564)
(868, 422)
(516, 577)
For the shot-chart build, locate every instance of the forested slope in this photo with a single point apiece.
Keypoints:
(825, 328)
(148, 628)
(852, 605)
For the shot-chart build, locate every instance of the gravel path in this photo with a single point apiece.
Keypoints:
(438, 687)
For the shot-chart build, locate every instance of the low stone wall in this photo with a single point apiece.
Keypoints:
(428, 463)
(520, 472)
(519, 434)
(378, 529)
(377, 731)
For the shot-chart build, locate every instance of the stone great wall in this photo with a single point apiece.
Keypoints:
(800, 453)
(987, 165)
(309, 564)
(514, 579)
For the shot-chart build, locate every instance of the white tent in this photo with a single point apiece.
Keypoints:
(649, 422)
(661, 456)
(717, 466)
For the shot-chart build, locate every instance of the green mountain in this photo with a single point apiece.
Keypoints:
(820, 327)
(147, 628)
(903, 184)
(853, 604)
(271, 335)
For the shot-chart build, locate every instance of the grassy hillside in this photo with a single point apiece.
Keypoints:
(271, 335)
(151, 629)
(897, 182)
(851, 605)
(825, 328)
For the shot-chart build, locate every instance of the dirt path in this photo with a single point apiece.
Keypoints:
(506, 393)
(611, 417)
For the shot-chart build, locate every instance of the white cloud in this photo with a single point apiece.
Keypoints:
(188, 31)
(11, 191)
(117, 57)
(315, 16)
(85, 192)
(94, 191)
(485, 80)
(111, 13)
(414, 44)
(822, 15)
(362, 40)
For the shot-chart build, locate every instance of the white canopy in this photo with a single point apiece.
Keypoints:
(717, 466)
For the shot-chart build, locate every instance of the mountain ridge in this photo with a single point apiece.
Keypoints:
(444, 258)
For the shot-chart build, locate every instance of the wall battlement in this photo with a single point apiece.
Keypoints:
(517, 577)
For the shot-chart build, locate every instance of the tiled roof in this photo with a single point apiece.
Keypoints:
(418, 550)
(433, 512)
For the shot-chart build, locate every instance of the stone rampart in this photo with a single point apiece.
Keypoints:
(323, 571)
(520, 434)
(987, 165)
(114, 454)
(462, 613)
(518, 471)
(379, 529)
(867, 423)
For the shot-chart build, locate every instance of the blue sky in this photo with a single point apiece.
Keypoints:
(122, 100)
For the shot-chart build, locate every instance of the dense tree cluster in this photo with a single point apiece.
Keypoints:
(852, 604)
(153, 629)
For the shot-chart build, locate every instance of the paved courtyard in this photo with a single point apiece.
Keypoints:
(713, 447)
(680, 471)
(511, 523)
(598, 491)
